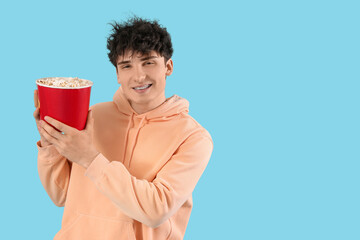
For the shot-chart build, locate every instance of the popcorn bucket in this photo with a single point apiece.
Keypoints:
(67, 103)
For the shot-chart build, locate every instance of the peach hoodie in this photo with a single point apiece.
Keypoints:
(140, 185)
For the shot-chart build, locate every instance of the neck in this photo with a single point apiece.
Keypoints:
(141, 108)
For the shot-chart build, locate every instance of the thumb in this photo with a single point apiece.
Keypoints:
(89, 121)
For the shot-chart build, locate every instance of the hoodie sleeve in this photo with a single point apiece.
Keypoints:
(154, 202)
(54, 172)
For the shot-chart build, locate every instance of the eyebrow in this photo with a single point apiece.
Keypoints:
(141, 59)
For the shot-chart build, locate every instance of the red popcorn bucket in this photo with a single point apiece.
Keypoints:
(65, 99)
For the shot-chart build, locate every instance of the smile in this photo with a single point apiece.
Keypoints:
(142, 87)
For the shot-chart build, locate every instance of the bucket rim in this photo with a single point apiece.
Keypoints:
(43, 85)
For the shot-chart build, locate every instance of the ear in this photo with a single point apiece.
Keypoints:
(169, 67)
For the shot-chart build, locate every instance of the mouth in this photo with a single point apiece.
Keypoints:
(143, 87)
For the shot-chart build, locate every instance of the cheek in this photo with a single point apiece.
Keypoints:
(160, 75)
(121, 79)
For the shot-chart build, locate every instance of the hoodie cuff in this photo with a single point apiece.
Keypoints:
(95, 169)
(48, 153)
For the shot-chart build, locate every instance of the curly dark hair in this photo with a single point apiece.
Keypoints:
(138, 35)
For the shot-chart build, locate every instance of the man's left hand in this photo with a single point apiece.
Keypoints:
(77, 146)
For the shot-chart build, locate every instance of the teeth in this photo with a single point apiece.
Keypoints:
(143, 87)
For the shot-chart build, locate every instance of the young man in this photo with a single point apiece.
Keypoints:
(131, 172)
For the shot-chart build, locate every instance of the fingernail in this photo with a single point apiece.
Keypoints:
(46, 118)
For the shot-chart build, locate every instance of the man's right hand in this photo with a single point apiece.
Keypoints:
(44, 142)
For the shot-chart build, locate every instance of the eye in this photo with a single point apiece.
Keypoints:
(125, 66)
(148, 63)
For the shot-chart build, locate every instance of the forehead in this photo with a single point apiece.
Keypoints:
(130, 55)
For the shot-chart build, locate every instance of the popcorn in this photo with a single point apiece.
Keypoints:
(62, 82)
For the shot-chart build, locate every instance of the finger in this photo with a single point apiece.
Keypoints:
(59, 125)
(47, 136)
(50, 130)
(36, 99)
(89, 120)
(37, 114)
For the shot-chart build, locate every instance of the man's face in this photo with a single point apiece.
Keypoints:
(143, 79)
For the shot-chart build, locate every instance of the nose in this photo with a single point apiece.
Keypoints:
(139, 74)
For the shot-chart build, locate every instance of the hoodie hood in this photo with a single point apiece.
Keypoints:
(170, 108)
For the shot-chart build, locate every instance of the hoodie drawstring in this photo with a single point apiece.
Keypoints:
(127, 135)
(136, 137)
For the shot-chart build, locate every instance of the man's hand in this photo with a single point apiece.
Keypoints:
(36, 114)
(75, 145)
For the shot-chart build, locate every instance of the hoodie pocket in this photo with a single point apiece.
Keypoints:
(96, 228)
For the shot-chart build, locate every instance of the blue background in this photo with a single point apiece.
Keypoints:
(276, 83)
